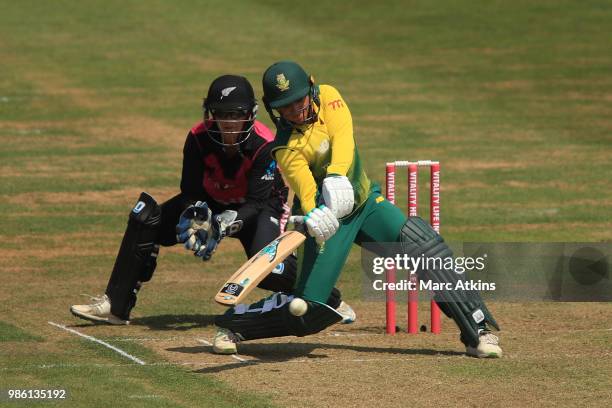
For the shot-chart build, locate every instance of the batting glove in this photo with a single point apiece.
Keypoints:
(338, 195)
(321, 224)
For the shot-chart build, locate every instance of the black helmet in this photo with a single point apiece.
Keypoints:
(226, 95)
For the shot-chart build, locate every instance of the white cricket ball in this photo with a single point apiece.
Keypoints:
(298, 307)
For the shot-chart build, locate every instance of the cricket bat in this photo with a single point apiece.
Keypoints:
(253, 271)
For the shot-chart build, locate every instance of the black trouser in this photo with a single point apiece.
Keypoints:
(254, 235)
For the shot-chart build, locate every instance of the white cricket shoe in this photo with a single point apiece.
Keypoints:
(225, 342)
(99, 311)
(348, 314)
(488, 347)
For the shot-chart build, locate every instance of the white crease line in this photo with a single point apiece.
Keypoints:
(145, 396)
(242, 360)
(105, 344)
(135, 339)
(205, 342)
(52, 366)
(346, 334)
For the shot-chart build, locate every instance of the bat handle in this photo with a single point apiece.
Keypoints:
(299, 224)
(297, 219)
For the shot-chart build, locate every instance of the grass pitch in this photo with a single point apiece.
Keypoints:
(95, 102)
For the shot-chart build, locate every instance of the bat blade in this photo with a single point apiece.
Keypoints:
(253, 271)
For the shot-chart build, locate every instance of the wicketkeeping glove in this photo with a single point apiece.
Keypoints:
(201, 232)
(221, 225)
(338, 195)
(195, 218)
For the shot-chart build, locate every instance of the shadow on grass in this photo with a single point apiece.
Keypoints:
(278, 353)
(175, 322)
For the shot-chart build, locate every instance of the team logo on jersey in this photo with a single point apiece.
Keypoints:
(227, 91)
(323, 147)
(282, 83)
(269, 174)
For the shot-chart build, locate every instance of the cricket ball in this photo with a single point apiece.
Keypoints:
(298, 307)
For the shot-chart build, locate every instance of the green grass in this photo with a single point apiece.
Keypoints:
(519, 83)
(112, 380)
(9, 332)
(96, 98)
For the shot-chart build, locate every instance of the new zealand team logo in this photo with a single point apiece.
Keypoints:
(227, 91)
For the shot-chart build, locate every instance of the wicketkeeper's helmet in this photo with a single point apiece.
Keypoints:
(227, 95)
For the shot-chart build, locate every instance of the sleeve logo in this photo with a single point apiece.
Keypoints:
(336, 104)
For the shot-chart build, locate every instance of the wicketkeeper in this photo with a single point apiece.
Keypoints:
(316, 152)
(230, 186)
